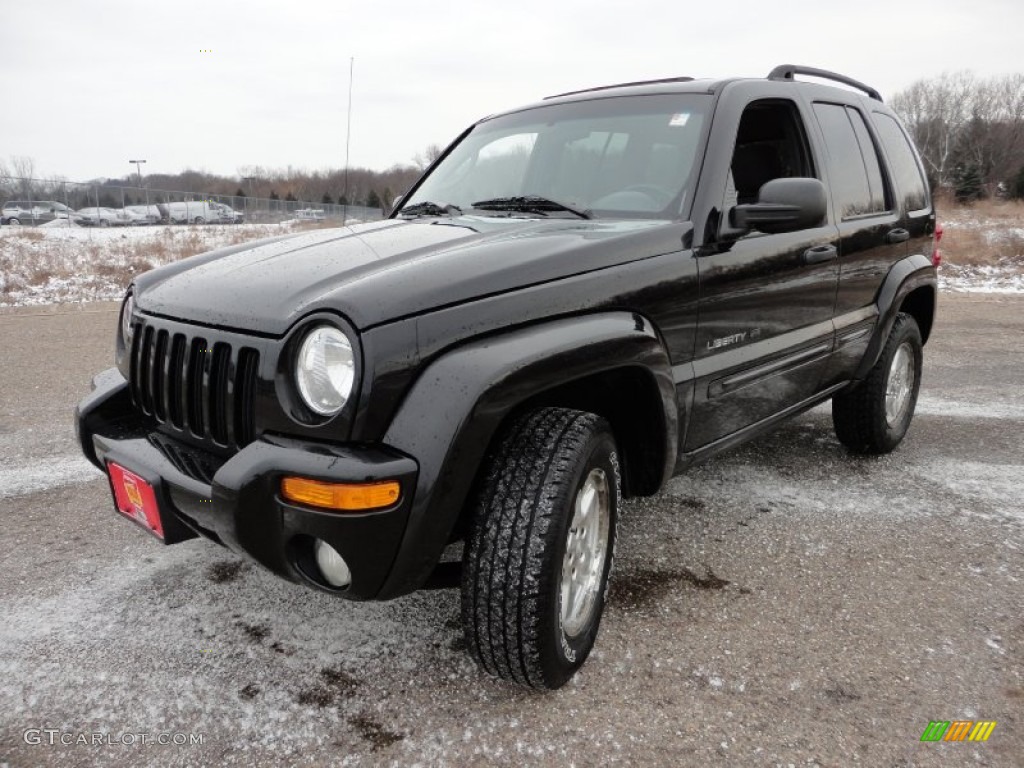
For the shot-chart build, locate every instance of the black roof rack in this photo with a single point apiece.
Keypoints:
(622, 85)
(786, 72)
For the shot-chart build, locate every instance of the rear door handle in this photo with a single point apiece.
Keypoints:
(820, 253)
(897, 236)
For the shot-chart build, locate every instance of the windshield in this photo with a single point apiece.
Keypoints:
(629, 156)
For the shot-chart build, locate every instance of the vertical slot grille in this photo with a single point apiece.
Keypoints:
(192, 384)
(145, 364)
(159, 375)
(198, 360)
(175, 380)
(218, 392)
(245, 391)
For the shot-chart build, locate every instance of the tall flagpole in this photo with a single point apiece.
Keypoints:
(348, 137)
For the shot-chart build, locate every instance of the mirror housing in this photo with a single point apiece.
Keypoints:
(783, 205)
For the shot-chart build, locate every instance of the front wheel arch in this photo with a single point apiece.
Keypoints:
(494, 377)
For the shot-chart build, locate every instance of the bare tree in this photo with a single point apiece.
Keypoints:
(936, 111)
(24, 169)
(424, 159)
(961, 123)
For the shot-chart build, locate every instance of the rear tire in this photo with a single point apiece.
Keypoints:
(874, 416)
(14, 222)
(198, 220)
(540, 547)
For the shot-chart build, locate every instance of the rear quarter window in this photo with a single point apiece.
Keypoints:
(906, 171)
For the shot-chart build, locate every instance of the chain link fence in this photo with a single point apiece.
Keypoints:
(31, 201)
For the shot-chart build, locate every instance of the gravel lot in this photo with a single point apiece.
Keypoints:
(785, 604)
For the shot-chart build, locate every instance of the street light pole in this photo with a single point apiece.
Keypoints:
(138, 170)
(348, 137)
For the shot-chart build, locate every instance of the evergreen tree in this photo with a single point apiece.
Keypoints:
(967, 183)
(290, 197)
(1017, 185)
(326, 200)
(373, 200)
(273, 195)
(239, 192)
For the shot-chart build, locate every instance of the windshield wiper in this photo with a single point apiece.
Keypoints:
(529, 204)
(428, 208)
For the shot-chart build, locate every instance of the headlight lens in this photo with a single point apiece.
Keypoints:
(325, 370)
(126, 320)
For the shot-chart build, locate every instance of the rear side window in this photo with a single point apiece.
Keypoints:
(854, 172)
(905, 168)
(872, 164)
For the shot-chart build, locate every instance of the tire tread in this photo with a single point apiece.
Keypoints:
(504, 588)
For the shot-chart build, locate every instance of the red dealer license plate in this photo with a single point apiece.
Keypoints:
(135, 499)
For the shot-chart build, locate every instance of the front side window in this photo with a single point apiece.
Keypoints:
(630, 157)
(770, 144)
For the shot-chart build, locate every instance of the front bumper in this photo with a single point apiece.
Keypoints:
(235, 501)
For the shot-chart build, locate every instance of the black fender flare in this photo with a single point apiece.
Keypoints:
(452, 412)
(906, 275)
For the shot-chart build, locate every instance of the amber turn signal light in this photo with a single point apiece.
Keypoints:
(348, 497)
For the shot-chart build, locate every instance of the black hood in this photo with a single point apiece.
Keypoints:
(375, 273)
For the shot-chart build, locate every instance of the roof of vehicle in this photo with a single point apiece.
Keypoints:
(781, 73)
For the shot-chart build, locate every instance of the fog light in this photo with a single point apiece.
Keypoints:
(332, 566)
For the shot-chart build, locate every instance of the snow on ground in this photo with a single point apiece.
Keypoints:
(53, 265)
(59, 264)
(1006, 277)
(18, 477)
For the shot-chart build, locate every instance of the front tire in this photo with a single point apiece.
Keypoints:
(874, 416)
(540, 547)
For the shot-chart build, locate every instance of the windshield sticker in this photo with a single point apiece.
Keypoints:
(679, 118)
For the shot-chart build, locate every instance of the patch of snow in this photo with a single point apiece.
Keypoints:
(28, 476)
(1005, 277)
(1001, 486)
(57, 224)
(958, 409)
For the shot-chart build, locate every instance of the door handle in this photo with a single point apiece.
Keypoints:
(897, 236)
(820, 253)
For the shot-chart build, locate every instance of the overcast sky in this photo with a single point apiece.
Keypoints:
(89, 85)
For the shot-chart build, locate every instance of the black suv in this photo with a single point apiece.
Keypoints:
(578, 299)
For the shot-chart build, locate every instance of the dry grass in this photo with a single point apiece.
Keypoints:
(44, 267)
(27, 235)
(984, 233)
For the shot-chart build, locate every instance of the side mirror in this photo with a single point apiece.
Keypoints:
(783, 205)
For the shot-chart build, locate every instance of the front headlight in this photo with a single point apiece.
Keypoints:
(126, 320)
(325, 370)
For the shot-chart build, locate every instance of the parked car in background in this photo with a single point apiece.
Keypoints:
(103, 217)
(35, 212)
(229, 215)
(143, 214)
(194, 212)
(310, 214)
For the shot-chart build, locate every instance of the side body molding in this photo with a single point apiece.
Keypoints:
(906, 275)
(452, 412)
